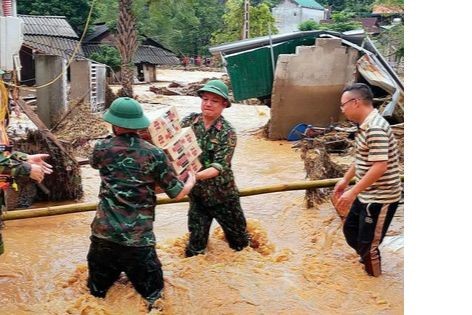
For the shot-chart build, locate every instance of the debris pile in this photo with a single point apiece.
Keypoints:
(81, 129)
(398, 131)
(64, 184)
(176, 88)
(315, 152)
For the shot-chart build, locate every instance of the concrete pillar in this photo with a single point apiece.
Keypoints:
(308, 84)
(147, 73)
(51, 100)
(80, 80)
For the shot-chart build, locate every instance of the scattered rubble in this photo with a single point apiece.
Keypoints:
(81, 129)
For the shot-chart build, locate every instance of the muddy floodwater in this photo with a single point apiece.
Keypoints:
(302, 264)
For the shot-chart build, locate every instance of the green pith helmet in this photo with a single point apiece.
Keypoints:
(218, 87)
(127, 113)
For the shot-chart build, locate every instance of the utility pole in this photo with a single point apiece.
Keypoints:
(246, 20)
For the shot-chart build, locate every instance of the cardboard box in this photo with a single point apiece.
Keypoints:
(181, 163)
(164, 126)
(195, 166)
(189, 135)
(175, 147)
(193, 151)
(185, 141)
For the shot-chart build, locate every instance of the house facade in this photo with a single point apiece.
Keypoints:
(49, 57)
(149, 54)
(289, 14)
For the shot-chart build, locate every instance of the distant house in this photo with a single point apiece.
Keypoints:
(149, 54)
(289, 14)
(49, 42)
(370, 25)
(46, 35)
(386, 14)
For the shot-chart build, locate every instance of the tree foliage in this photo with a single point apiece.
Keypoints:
(260, 19)
(108, 55)
(184, 26)
(342, 22)
(76, 11)
(395, 3)
(309, 25)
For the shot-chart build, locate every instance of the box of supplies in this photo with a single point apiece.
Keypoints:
(194, 166)
(164, 124)
(184, 141)
(181, 163)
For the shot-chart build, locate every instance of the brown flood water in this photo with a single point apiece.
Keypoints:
(302, 266)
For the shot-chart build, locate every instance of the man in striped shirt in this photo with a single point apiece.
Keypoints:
(374, 198)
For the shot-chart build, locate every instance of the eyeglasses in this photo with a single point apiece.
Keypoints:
(352, 99)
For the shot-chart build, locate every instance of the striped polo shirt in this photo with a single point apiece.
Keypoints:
(375, 142)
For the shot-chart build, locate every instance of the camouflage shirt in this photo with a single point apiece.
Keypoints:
(217, 144)
(13, 165)
(130, 168)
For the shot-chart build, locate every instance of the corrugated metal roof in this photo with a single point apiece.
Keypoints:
(144, 54)
(251, 43)
(312, 4)
(58, 46)
(47, 25)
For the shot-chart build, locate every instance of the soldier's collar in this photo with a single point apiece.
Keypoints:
(217, 124)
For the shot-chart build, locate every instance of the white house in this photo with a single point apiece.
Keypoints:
(289, 14)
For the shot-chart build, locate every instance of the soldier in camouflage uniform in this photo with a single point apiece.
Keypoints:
(215, 196)
(122, 230)
(20, 164)
(17, 164)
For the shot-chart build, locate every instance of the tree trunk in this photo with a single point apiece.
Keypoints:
(127, 44)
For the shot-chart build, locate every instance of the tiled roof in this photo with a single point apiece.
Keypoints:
(97, 30)
(144, 54)
(52, 45)
(47, 25)
(312, 4)
(50, 35)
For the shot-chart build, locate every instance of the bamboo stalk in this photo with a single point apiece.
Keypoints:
(91, 206)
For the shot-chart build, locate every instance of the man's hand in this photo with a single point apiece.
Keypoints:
(38, 159)
(191, 180)
(345, 202)
(37, 173)
(340, 187)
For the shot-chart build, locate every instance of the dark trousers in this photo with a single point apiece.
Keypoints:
(106, 260)
(228, 214)
(365, 228)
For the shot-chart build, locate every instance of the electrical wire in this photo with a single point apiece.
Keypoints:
(79, 44)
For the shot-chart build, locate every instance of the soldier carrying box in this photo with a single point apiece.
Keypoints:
(215, 195)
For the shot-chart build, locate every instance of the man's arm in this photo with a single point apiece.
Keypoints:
(373, 174)
(344, 182)
(222, 159)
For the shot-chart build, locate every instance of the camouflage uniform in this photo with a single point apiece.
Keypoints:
(14, 165)
(218, 197)
(122, 230)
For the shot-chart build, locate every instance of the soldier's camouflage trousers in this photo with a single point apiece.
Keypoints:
(106, 260)
(228, 214)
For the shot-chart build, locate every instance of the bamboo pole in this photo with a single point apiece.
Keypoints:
(91, 206)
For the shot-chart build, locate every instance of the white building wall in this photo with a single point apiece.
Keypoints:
(311, 14)
(288, 15)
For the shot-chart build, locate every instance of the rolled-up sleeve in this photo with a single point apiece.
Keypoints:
(166, 177)
(12, 167)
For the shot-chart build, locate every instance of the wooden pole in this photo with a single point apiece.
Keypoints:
(91, 206)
